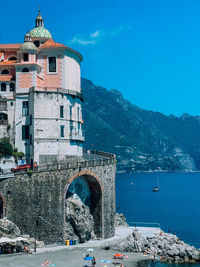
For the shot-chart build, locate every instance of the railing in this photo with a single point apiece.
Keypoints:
(76, 137)
(99, 153)
(144, 224)
(76, 164)
(58, 90)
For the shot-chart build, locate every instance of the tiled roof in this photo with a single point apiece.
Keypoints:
(40, 32)
(7, 62)
(9, 46)
(51, 43)
(5, 78)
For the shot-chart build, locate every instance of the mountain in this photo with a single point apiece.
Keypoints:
(142, 140)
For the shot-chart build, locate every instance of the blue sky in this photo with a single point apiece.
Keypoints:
(148, 50)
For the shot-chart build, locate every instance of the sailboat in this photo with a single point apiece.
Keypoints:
(156, 188)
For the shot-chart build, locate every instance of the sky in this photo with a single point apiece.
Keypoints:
(149, 50)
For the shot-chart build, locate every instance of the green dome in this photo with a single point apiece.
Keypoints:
(28, 46)
(40, 32)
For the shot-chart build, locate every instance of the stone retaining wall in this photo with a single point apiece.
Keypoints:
(35, 201)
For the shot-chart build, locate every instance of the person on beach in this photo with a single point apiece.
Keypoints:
(154, 256)
(46, 263)
(93, 261)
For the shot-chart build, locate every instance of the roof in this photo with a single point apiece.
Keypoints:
(40, 32)
(28, 46)
(50, 44)
(10, 46)
(7, 62)
(5, 78)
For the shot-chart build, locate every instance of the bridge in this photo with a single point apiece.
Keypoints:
(41, 193)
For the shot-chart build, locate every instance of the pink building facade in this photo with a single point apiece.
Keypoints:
(40, 97)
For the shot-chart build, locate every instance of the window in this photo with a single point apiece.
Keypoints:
(61, 131)
(71, 130)
(37, 43)
(52, 64)
(70, 112)
(12, 58)
(30, 119)
(25, 57)
(5, 72)
(3, 87)
(12, 87)
(11, 103)
(61, 112)
(30, 138)
(78, 110)
(79, 127)
(3, 118)
(25, 70)
(3, 105)
(25, 132)
(25, 108)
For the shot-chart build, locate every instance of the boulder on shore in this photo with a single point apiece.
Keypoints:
(79, 221)
(166, 247)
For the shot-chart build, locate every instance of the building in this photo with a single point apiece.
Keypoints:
(40, 97)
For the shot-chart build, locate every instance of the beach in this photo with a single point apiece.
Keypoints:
(72, 257)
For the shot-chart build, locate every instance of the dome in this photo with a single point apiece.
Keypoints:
(40, 32)
(28, 46)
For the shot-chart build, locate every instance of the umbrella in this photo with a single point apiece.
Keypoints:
(90, 249)
(105, 261)
(118, 256)
(88, 258)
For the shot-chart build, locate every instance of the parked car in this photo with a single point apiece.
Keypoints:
(21, 167)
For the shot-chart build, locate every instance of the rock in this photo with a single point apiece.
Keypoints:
(79, 220)
(120, 220)
(8, 229)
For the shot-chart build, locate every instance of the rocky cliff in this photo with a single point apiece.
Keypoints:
(142, 140)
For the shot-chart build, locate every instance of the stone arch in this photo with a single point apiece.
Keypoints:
(2, 205)
(96, 197)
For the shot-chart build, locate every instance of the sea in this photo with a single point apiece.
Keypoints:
(176, 207)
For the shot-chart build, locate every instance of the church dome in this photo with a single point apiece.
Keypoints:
(28, 46)
(40, 32)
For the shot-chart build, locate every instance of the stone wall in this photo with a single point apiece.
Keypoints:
(36, 202)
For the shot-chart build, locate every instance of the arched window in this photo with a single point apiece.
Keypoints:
(25, 70)
(12, 87)
(3, 87)
(12, 58)
(5, 72)
(37, 43)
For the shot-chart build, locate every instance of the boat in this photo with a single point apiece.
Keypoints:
(156, 188)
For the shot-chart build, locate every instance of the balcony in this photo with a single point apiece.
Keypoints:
(74, 136)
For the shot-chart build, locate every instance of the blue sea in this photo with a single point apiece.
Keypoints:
(175, 206)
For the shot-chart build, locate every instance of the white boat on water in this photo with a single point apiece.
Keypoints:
(156, 188)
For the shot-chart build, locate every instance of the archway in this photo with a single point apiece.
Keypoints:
(89, 189)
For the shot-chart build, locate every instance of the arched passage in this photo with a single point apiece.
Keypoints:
(88, 187)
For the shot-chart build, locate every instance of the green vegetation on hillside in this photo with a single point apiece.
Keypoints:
(142, 140)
